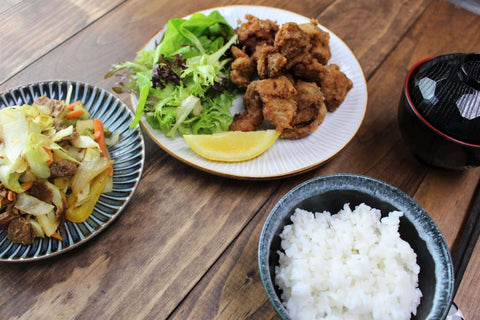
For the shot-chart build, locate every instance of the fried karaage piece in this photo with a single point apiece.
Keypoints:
(292, 42)
(334, 85)
(319, 40)
(310, 112)
(256, 32)
(269, 99)
(242, 68)
(270, 64)
(252, 117)
(278, 97)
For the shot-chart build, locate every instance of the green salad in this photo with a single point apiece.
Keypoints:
(183, 85)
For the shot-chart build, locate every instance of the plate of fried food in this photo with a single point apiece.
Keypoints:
(270, 69)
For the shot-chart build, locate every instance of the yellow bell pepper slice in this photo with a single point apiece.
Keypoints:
(81, 213)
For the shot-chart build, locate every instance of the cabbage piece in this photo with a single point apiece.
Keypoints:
(88, 170)
(112, 139)
(38, 229)
(36, 155)
(58, 198)
(84, 142)
(36, 109)
(13, 133)
(41, 123)
(39, 118)
(32, 205)
(84, 126)
(48, 222)
(59, 152)
(59, 135)
(91, 154)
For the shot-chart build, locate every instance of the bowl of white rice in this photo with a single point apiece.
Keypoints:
(348, 246)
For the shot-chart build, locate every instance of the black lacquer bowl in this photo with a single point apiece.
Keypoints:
(128, 154)
(436, 278)
(439, 111)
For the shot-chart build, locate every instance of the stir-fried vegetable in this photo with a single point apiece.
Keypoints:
(183, 84)
(54, 164)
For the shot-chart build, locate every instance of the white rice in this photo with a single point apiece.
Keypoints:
(350, 265)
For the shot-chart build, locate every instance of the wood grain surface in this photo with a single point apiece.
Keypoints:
(186, 245)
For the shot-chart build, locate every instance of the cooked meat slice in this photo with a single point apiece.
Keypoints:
(56, 106)
(8, 215)
(256, 31)
(40, 191)
(334, 85)
(292, 42)
(20, 230)
(278, 98)
(252, 117)
(310, 113)
(319, 40)
(270, 64)
(63, 168)
(242, 68)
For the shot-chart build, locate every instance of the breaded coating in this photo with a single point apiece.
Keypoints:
(297, 87)
(252, 117)
(310, 113)
(292, 42)
(256, 31)
(319, 40)
(242, 68)
(270, 64)
(334, 85)
(269, 99)
(278, 97)
(308, 69)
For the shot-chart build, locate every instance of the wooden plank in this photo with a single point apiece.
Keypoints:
(380, 24)
(24, 40)
(234, 287)
(7, 4)
(469, 236)
(469, 291)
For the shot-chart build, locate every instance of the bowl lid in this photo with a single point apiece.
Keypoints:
(446, 92)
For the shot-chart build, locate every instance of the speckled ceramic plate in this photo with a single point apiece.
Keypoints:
(285, 157)
(128, 154)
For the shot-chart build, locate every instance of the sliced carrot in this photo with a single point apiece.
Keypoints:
(27, 185)
(50, 160)
(71, 106)
(57, 236)
(99, 136)
(11, 195)
(74, 114)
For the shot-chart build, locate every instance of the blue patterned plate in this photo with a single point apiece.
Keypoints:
(128, 154)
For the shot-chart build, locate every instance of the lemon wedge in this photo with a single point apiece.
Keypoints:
(232, 146)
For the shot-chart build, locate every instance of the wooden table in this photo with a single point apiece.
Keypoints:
(186, 245)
